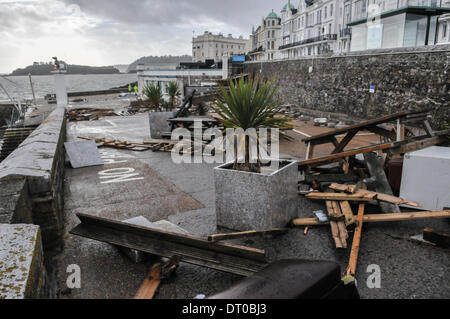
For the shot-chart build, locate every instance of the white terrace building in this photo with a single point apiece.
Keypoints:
(214, 46)
(310, 29)
(382, 24)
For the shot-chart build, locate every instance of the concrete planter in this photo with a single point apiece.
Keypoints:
(250, 201)
(158, 123)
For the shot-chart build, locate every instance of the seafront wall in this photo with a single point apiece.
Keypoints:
(31, 209)
(31, 181)
(367, 84)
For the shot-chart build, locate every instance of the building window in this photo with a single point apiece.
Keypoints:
(444, 30)
(325, 12)
(331, 10)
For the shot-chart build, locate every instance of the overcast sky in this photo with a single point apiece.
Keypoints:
(107, 32)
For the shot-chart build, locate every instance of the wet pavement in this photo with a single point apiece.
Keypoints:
(184, 194)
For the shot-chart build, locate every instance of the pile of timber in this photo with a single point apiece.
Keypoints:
(182, 147)
(88, 114)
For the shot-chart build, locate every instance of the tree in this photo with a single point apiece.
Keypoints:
(249, 104)
(173, 91)
(154, 95)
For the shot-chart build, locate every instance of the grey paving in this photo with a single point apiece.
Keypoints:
(408, 269)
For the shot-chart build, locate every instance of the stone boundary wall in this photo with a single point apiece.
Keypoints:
(40, 161)
(404, 79)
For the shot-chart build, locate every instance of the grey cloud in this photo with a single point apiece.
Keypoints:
(237, 14)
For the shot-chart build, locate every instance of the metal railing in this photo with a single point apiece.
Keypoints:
(324, 37)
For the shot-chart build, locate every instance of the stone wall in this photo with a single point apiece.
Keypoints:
(406, 78)
(40, 160)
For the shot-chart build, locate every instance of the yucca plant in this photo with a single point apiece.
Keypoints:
(154, 95)
(173, 91)
(249, 103)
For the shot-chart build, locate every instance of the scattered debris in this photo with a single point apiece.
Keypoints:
(88, 114)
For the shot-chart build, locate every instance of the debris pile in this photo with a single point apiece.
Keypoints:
(359, 176)
(88, 114)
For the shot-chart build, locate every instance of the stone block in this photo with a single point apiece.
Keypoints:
(158, 123)
(251, 201)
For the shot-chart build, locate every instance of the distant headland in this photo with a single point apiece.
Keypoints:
(43, 68)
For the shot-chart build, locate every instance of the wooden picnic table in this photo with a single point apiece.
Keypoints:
(396, 138)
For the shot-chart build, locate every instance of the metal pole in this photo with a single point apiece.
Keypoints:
(32, 89)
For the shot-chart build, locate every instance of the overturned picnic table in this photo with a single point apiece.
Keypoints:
(399, 143)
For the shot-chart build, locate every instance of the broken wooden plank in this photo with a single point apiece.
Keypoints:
(250, 233)
(376, 170)
(220, 256)
(335, 234)
(150, 284)
(353, 261)
(378, 218)
(348, 213)
(380, 196)
(336, 157)
(340, 196)
(343, 234)
(345, 141)
(439, 239)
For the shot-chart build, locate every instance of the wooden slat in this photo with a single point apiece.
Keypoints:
(225, 257)
(250, 233)
(380, 196)
(350, 135)
(150, 284)
(379, 218)
(417, 144)
(336, 157)
(351, 269)
(348, 213)
(382, 132)
(339, 196)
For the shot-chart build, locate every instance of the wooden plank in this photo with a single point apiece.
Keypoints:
(362, 125)
(339, 196)
(428, 128)
(353, 261)
(150, 284)
(382, 132)
(379, 218)
(250, 233)
(220, 256)
(417, 145)
(439, 239)
(343, 234)
(335, 234)
(380, 196)
(336, 157)
(350, 135)
(348, 213)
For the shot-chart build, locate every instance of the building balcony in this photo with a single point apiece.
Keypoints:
(325, 37)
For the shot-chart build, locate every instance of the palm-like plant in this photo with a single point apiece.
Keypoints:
(249, 104)
(173, 91)
(154, 95)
